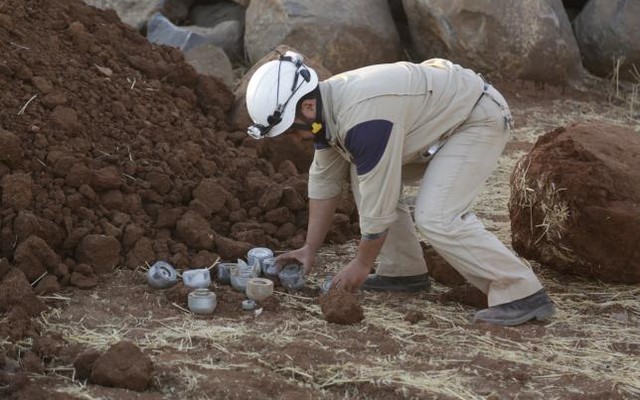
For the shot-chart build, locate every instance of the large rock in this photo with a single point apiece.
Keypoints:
(224, 19)
(521, 39)
(176, 10)
(575, 202)
(210, 15)
(344, 34)
(211, 60)
(132, 12)
(608, 31)
(227, 35)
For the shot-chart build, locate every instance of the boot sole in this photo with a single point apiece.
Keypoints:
(541, 313)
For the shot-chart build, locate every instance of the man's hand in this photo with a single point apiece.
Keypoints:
(304, 255)
(351, 277)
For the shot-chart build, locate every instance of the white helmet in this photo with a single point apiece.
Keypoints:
(274, 91)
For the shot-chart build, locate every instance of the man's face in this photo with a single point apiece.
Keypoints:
(305, 115)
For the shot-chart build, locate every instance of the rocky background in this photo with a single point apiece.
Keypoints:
(550, 41)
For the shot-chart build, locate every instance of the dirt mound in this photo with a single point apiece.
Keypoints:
(575, 202)
(340, 307)
(118, 153)
(123, 365)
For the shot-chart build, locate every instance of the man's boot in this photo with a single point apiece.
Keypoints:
(413, 283)
(537, 306)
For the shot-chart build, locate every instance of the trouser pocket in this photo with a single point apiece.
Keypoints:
(498, 99)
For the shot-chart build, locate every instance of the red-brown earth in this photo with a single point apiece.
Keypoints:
(124, 157)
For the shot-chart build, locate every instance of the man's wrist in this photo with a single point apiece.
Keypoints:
(311, 247)
(363, 264)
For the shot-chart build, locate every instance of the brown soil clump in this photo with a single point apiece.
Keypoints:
(15, 292)
(575, 202)
(340, 307)
(413, 317)
(123, 365)
(465, 294)
(439, 269)
(83, 363)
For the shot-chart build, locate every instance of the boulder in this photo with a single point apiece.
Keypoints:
(608, 31)
(529, 40)
(176, 10)
(575, 202)
(226, 35)
(346, 35)
(211, 60)
(210, 15)
(132, 12)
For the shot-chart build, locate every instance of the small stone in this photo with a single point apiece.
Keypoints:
(249, 305)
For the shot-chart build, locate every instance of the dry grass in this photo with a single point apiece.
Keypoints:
(626, 92)
(586, 339)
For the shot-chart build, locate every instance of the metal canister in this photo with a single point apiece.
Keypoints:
(292, 276)
(258, 254)
(269, 267)
(223, 272)
(326, 285)
(197, 278)
(202, 301)
(161, 275)
(240, 277)
(259, 289)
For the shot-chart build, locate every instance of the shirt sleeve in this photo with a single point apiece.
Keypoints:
(376, 148)
(327, 174)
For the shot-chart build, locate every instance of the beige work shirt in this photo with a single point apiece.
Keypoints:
(384, 117)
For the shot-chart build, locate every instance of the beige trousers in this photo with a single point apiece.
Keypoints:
(453, 179)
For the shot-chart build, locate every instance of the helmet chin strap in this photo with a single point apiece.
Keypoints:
(316, 126)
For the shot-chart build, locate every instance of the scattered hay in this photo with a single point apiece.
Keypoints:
(444, 382)
(551, 355)
(77, 390)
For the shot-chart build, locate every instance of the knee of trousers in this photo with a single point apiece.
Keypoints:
(432, 226)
